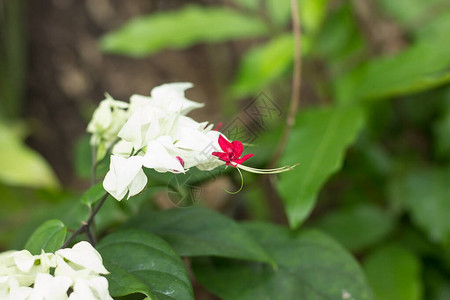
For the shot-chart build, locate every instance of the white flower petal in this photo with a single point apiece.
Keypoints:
(51, 288)
(123, 148)
(84, 255)
(171, 96)
(131, 130)
(20, 293)
(158, 158)
(138, 184)
(126, 170)
(107, 120)
(71, 270)
(122, 173)
(24, 260)
(110, 185)
(95, 288)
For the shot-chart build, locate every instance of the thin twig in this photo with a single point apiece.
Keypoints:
(296, 84)
(85, 226)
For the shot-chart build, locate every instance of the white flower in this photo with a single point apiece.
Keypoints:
(30, 277)
(106, 123)
(125, 176)
(24, 266)
(155, 116)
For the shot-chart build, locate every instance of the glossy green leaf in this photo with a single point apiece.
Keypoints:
(359, 227)
(425, 194)
(93, 194)
(317, 143)
(310, 266)
(49, 237)
(181, 29)
(421, 67)
(196, 231)
(140, 262)
(20, 165)
(394, 273)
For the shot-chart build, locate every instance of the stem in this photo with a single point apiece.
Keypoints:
(85, 226)
(94, 165)
(296, 83)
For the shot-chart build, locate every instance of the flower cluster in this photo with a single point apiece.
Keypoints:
(154, 132)
(71, 273)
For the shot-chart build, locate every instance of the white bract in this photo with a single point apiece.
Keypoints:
(125, 176)
(106, 123)
(66, 274)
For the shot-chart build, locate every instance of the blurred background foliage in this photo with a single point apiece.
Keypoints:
(372, 135)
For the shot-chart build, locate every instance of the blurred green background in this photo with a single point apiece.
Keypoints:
(372, 135)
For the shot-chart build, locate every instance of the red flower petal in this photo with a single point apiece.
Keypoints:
(244, 158)
(225, 145)
(222, 156)
(238, 148)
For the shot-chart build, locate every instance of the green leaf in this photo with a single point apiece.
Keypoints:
(310, 266)
(181, 29)
(196, 231)
(20, 165)
(49, 237)
(279, 11)
(93, 194)
(425, 194)
(318, 142)
(140, 262)
(421, 67)
(312, 14)
(359, 227)
(258, 68)
(410, 13)
(394, 273)
(340, 39)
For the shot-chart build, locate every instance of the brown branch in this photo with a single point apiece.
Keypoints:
(296, 84)
(85, 226)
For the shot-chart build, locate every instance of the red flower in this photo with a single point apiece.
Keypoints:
(231, 152)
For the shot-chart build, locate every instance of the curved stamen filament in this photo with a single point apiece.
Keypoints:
(266, 171)
(242, 184)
